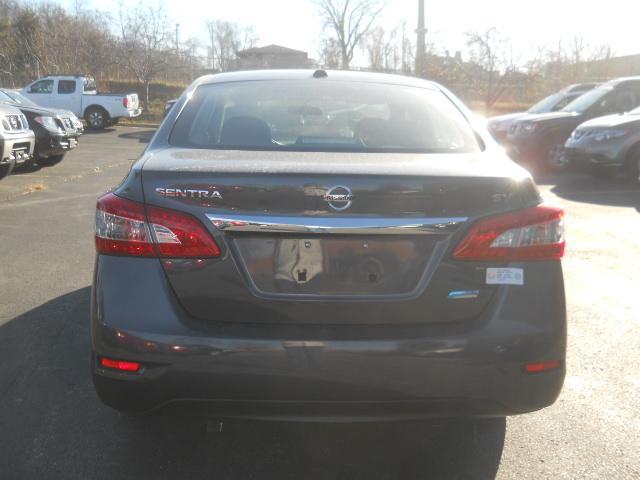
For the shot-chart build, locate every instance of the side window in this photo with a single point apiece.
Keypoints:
(625, 101)
(43, 86)
(613, 102)
(89, 85)
(564, 102)
(66, 86)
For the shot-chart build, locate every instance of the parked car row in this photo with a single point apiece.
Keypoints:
(593, 132)
(40, 123)
(34, 134)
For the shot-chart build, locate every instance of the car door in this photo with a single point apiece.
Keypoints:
(67, 96)
(42, 92)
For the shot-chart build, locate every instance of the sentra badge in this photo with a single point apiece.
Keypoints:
(189, 193)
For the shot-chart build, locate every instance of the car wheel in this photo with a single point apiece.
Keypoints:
(632, 166)
(604, 173)
(50, 161)
(6, 169)
(556, 158)
(97, 118)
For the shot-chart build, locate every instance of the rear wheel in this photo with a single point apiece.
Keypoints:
(97, 118)
(50, 161)
(6, 169)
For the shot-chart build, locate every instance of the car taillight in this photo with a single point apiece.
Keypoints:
(125, 102)
(120, 365)
(535, 233)
(123, 227)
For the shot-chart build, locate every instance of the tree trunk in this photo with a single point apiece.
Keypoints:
(345, 61)
(146, 96)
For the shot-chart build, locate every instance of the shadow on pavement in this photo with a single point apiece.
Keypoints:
(53, 426)
(22, 169)
(101, 131)
(143, 136)
(578, 187)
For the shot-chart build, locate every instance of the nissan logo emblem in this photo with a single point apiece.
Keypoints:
(339, 197)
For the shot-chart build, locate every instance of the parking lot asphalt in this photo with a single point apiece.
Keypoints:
(53, 426)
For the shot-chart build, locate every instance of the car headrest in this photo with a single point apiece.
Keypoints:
(245, 131)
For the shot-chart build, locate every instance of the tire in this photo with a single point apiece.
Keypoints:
(97, 118)
(28, 165)
(632, 166)
(604, 173)
(7, 168)
(50, 161)
(555, 158)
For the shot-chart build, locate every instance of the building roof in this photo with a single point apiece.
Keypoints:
(270, 49)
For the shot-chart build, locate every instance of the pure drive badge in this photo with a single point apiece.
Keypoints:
(189, 193)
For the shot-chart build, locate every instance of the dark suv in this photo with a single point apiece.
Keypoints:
(499, 126)
(55, 132)
(539, 140)
(299, 244)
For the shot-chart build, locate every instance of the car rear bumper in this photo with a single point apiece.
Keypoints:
(322, 372)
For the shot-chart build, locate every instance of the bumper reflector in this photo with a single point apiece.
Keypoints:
(537, 367)
(119, 365)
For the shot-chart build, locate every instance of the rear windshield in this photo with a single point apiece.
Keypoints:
(320, 115)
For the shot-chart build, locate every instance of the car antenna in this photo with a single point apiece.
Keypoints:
(320, 74)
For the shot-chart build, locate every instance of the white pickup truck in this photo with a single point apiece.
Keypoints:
(78, 93)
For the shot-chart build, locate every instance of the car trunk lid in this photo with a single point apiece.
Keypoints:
(319, 228)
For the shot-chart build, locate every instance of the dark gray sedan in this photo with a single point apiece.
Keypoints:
(607, 145)
(327, 245)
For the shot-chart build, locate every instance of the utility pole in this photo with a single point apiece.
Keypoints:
(177, 44)
(421, 61)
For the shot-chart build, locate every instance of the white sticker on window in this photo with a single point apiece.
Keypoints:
(505, 276)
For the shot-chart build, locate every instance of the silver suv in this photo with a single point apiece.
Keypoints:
(16, 140)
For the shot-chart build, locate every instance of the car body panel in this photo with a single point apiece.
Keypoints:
(246, 335)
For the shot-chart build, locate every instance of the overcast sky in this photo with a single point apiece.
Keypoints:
(295, 24)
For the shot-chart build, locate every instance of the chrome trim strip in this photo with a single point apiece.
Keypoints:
(348, 225)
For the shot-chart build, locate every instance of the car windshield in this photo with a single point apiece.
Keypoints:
(322, 116)
(547, 104)
(586, 101)
(18, 98)
(5, 98)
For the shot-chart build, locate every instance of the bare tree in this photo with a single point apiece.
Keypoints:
(382, 49)
(492, 64)
(350, 21)
(226, 39)
(330, 53)
(146, 44)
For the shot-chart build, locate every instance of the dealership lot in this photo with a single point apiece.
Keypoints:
(53, 426)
